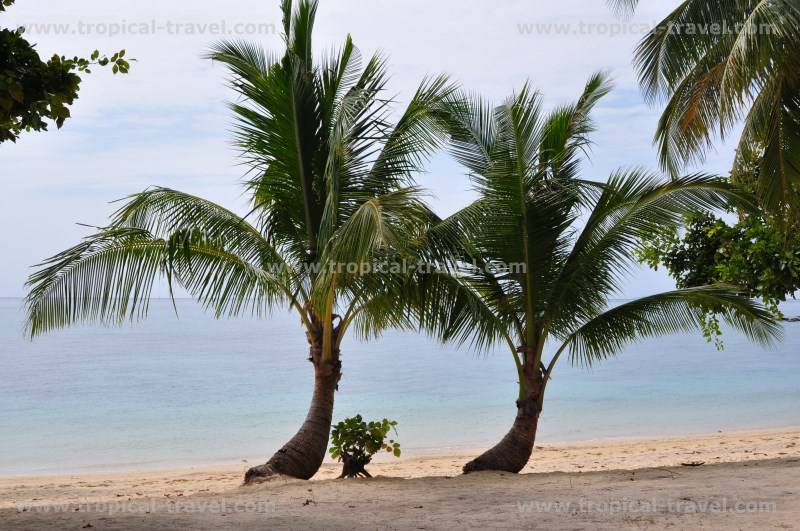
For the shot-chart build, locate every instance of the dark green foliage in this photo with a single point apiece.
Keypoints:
(751, 254)
(34, 91)
(354, 442)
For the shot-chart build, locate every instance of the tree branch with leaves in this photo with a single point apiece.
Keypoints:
(35, 91)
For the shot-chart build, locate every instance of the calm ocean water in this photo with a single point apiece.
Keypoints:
(192, 390)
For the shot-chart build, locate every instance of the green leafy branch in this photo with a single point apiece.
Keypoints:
(34, 91)
(753, 254)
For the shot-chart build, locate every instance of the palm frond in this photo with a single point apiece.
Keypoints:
(623, 7)
(567, 129)
(469, 120)
(668, 313)
(107, 277)
(450, 307)
(279, 131)
(711, 61)
(415, 136)
(634, 204)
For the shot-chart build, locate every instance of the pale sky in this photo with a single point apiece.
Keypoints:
(166, 123)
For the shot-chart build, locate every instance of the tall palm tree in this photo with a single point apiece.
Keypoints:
(331, 180)
(543, 251)
(717, 63)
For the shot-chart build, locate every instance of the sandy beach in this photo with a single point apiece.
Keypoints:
(746, 478)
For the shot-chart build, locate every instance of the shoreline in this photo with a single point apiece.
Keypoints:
(421, 453)
(580, 457)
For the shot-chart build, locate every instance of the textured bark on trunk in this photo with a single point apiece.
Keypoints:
(302, 456)
(512, 453)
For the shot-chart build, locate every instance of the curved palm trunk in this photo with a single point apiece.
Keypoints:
(512, 453)
(302, 456)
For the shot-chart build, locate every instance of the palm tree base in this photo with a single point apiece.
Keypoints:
(512, 453)
(302, 456)
(260, 473)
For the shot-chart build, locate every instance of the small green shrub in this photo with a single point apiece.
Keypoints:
(354, 442)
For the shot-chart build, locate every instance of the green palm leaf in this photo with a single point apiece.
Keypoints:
(668, 313)
(739, 59)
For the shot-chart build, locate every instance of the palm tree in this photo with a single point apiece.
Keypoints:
(543, 250)
(333, 200)
(716, 64)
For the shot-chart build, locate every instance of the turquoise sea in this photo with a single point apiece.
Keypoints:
(174, 391)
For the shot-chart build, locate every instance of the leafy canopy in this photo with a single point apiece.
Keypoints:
(356, 439)
(750, 253)
(715, 65)
(32, 90)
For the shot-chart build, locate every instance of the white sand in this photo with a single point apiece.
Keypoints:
(622, 472)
